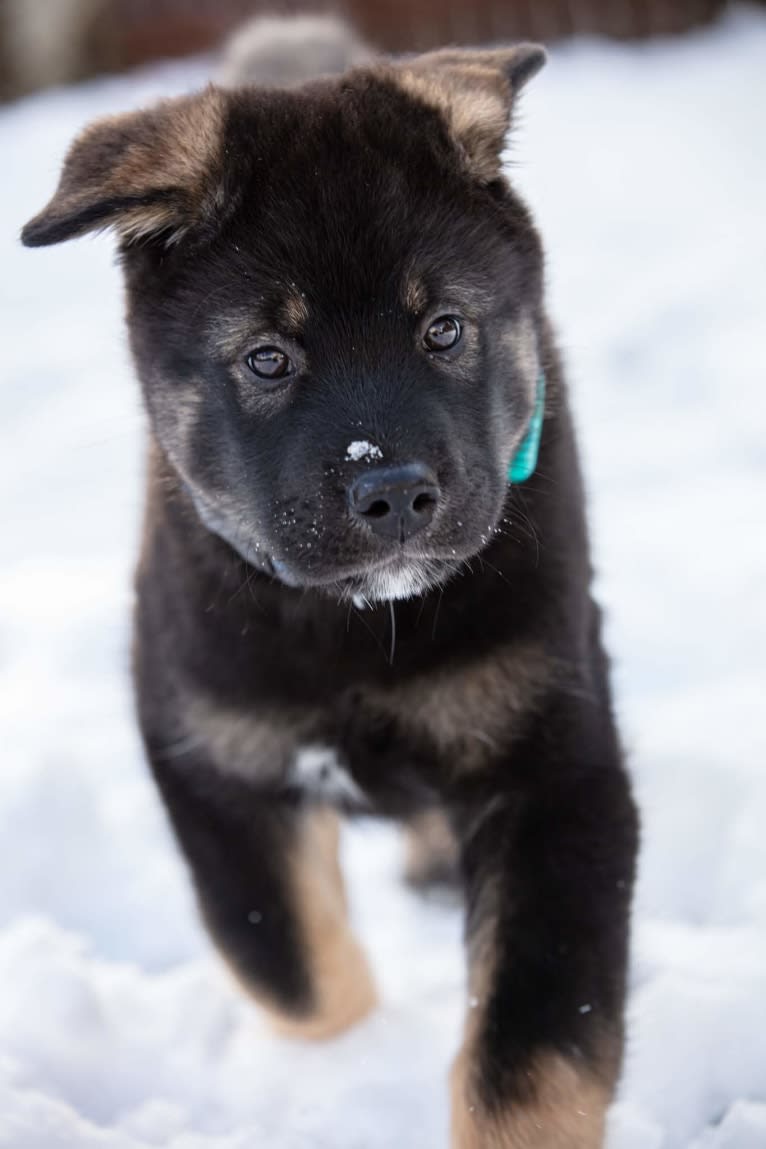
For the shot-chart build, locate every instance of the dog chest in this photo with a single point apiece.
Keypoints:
(376, 741)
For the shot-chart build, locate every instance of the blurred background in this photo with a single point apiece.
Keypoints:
(44, 42)
(641, 151)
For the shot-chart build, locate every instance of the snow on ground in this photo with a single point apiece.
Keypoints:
(118, 1029)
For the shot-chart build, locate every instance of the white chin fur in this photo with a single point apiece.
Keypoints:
(386, 585)
(391, 586)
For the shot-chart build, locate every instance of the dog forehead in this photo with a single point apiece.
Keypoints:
(361, 109)
(303, 247)
(339, 205)
(364, 148)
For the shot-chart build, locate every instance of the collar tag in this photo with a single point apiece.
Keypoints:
(523, 463)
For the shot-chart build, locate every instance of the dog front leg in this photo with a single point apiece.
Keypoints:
(548, 855)
(270, 889)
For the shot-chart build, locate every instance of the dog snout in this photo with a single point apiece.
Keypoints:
(395, 502)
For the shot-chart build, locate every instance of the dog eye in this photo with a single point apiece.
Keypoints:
(443, 333)
(269, 363)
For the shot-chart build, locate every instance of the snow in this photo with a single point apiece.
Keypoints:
(119, 1028)
(362, 449)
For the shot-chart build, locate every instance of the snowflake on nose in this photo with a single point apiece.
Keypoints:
(362, 449)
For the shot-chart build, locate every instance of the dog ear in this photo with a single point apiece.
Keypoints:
(154, 173)
(475, 92)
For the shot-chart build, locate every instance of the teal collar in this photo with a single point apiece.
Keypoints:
(523, 463)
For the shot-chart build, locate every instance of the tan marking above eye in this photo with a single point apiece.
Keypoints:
(415, 295)
(233, 334)
(294, 312)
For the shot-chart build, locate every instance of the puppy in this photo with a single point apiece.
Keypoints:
(364, 580)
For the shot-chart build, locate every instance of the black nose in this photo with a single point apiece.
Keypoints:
(396, 502)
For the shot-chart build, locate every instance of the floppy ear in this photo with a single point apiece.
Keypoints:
(475, 92)
(150, 173)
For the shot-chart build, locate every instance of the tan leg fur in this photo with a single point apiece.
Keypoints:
(565, 1110)
(431, 850)
(344, 991)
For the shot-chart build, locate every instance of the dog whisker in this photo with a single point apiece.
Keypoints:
(392, 650)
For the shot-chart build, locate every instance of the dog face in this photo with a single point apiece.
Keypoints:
(333, 307)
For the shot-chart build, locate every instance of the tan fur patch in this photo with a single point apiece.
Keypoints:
(474, 91)
(474, 101)
(469, 711)
(172, 148)
(232, 334)
(235, 333)
(342, 984)
(566, 1110)
(521, 337)
(564, 1106)
(259, 747)
(295, 313)
(431, 848)
(415, 295)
